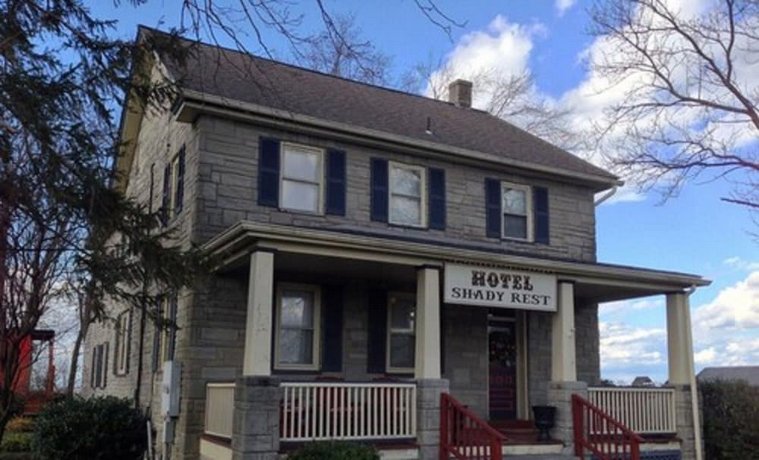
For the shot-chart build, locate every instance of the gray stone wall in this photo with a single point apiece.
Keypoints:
(465, 339)
(685, 424)
(587, 344)
(538, 356)
(228, 191)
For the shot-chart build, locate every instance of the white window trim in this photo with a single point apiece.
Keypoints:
(528, 210)
(316, 345)
(123, 324)
(422, 191)
(389, 332)
(320, 176)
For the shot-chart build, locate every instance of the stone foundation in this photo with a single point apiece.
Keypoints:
(256, 420)
(428, 416)
(685, 426)
(560, 395)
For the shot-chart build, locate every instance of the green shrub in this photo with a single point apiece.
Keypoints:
(95, 428)
(20, 425)
(731, 420)
(335, 451)
(16, 442)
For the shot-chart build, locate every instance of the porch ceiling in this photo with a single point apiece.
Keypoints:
(589, 292)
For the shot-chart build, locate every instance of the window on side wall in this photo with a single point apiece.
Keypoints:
(301, 178)
(168, 327)
(298, 322)
(516, 205)
(407, 195)
(401, 333)
(121, 358)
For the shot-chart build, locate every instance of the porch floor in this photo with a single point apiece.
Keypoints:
(520, 432)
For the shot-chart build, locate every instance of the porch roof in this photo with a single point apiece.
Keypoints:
(595, 281)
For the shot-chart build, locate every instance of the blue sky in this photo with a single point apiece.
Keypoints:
(694, 232)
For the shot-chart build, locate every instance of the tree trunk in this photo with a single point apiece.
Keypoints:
(73, 368)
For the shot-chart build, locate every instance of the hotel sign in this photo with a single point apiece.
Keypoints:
(488, 287)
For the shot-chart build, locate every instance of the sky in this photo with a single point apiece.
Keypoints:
(694, 232)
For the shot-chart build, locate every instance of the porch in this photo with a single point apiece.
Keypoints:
(374, 368)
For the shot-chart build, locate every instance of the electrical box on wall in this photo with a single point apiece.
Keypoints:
(172, 371)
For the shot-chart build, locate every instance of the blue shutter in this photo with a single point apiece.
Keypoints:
(379, 198)
(179, 195)
(376, 350)
(335, 182)
(268, 172)
(437, 198)
(540, 205)
(493, 208)
(166, 198)
(332, 314)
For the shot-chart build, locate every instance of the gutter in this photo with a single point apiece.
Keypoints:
(606, 196)
(195, 102)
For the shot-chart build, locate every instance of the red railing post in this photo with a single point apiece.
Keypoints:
(466, 436)
(443, 451)
(577, 425)
(601, 434)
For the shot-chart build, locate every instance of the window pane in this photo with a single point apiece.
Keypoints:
(402, 315)
(296, 346)
(402, 348)
(406, 181)
(405, 211)
(515, 226)
(300, 196)
(301, 165)
(514, 201)
(297, 309)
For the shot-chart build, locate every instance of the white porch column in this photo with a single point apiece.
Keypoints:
(258, 329)
(679, 340)
(427, 323)
(563, 357)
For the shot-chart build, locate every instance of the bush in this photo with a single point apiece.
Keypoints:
(335, 451)
(731, 420)
(20, 425)
(95, 428)
(16, 442)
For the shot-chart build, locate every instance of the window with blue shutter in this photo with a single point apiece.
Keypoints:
(379, 192)
(493, 208)
(336, 178)
(377, 323)
(268, 172)
(179, 166)
(166, 198)
(332, 329)
(437, 211)
(540, 204)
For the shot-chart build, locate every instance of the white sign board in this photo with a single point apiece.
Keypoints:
(489, 287)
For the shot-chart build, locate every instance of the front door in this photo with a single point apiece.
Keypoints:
(503, 368)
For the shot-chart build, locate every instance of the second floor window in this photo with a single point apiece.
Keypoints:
(301, 178)
(122, 343)
(516, 206)
(407, 204)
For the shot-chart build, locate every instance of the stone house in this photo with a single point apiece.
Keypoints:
(375, 250)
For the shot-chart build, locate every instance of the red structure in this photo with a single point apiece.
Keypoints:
(35, 390)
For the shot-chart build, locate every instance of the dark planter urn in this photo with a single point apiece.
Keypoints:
(545, 418)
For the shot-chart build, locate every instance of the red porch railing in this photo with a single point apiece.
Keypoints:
(465, 436)
(605, 437)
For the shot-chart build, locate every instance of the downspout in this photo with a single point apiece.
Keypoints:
(693, 388)
(606, 196)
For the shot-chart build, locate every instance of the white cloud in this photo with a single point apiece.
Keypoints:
(739, 263)
(502, 49)
(623, 345)
(563, 5)
(735, 307)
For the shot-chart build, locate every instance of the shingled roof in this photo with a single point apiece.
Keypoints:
(237, 76)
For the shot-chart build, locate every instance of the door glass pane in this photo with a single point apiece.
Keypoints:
(515, 226)
(402, 315)
(301, 165)
(297, 309)
(514, 201)
(405, 211)
(406, 181)
(402, 348)
(300, 196)
(296, 346)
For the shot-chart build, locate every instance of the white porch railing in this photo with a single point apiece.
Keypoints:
(320, 411)
(643, 410)
(220, 408)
